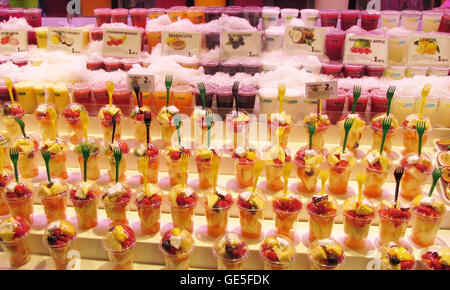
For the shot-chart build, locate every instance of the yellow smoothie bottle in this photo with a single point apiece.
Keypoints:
(61, 96)
(26, 97)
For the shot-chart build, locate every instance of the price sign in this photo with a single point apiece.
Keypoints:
(321, 90)
(240, 44)
(428, 49)
(70, 40)
(145, 82)
(121, 42)
(181, 43)
(13, 41)
(367, 50)
(303, 39)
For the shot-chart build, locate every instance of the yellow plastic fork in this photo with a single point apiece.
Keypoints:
(2, 154)
(425, 91)
(84, 122)
(286, 171)
(361, 178)
(53, 117)
(324, 174)
(110, 89)
(9, 85)
(281, 93)
(257, 169)
(215, 163)
(143, 165)
(184, 165)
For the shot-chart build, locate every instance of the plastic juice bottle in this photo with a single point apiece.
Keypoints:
(334, 42)
(196, 15)
(158, 99)
(26, 97)
(155, 12)
(443, 112)
(153, 38)
(349, 18)
(398, 48)
(39, 92)
(61, 96)
(182, 98)
(403, 105)
(431, 20)
(41, 36)
(390, 18)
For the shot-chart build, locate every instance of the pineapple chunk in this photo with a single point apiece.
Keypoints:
(335, 249)
(212, 199)
(176, 231)
(271, 242)
(333, 159)
(282, 257)
(112, 243)
(67, 229)
(385, 163)
(120, 233)
(55, 149)
(257, 201)
(445, 257)
(45, 191)
(206, 154)
(251, 155)
(363, 209)
(400, 252)
(318, 253)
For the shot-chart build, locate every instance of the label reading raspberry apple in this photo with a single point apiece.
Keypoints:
(428, 49)
(13, 41)
(145, 82)
(70, 40)
(240, 44)
(303, 39)
(321, 90)
(367, 50)
(181, 43)
(122, 42)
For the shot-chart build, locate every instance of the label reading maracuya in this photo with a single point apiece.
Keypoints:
(70, 40)
(146, 82)
(367, 50)
(13, 41)
(321, 90)
(304, 39)
(121, 42)
(181, 43)
(428, 49)
(240, 44)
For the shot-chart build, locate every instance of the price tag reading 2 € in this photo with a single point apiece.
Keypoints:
(240, 44)
(428, 49)
(181, 43)
(367, 50)
(13, 41)
(70, 40)
(121, 42)
(306, 40)
(321, 90)
(146, 82)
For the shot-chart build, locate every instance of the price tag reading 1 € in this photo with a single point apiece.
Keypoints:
(146, 82)
(428, 49)
(121, 42)
(321, 90)
(70, 40)
(13, 41)
(306, 40)
(367, 50)
(240, 44)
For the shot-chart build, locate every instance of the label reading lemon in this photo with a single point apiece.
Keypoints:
(428, 49)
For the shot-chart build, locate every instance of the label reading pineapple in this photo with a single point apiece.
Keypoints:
(181, 43)
(240, 44)
(428, 49)
(12, 41)
(321, 90)
(305, 40)
(122, 42)
(70, 40)
(366, 50)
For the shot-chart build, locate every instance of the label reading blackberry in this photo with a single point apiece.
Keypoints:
(240, 44)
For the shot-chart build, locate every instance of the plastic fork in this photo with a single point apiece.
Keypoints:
(356, 94)
(257, 169)
(168, 83)
(143, 164)
(14, 155)
(286, 172)
(84, 122)
(147, 121)
(184, 165)
(110, 89)
(53, 117)
(281, 93)
(209, 120)
(117, 157)
(215, 163)
(137, 92)
(389, 95)
(202, 90)
(114, 125)
(361, 178)
(420, 128)
(386, 125)
(347, 126)
(398, 174)
(437, 173)
(22, 126)
(9, 85)
(2, 155)
(86, 151)
(177, 121)
(324, 174)
(425, 91)
(46, 155)
(312, 130)
(235, 95)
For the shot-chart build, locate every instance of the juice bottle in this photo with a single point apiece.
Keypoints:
(176, 13)
(390, 18)
(431, 20)
(61, 96)
(349, 18)
(25, 96)
(119, 15)
(329, 17)
(182, 98)
(369, 19)
(102, 15)
(33, 16)
(196, 15)
(155, 12)
(158, 99)
(334, 42)
(398, 47)
(411, 19)
(41, 35)
(138, 17)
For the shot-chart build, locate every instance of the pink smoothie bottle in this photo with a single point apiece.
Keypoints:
(334, 42)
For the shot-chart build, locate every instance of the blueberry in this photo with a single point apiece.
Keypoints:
(166, 245)
(333, 259)
(51, 240)
(229, 249)
(394, 260)
(216, 208)
(310, 173)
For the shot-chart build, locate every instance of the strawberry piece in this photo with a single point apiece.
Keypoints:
(181, 200)
(270, 255)
(405, 265)
(175, 155)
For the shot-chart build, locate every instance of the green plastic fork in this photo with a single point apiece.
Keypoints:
(312, 130)
(420, 128)
(46, 155)
(117, 157)
(437, 173)
(347, 126)
(86, 151)
(356, 94)
(22, 126)
(177, 121)
(209, 121)
(14, 155)
(386, 125)
(169, 80)
(202, 90)
(389, 95)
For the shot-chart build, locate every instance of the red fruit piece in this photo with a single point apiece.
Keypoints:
(270, 255)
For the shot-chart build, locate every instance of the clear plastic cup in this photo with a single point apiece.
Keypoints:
(411, 139)
(286, 221)
(239, 129)
(424, 228)
(273, 40)
(96, 33)
(356, 229)
(117, 211)
(332, 69)
(373, 187)
(121, 260)
(119, 15)
(287, 14)
(339, 177)
(17, 251)
(310, 16)
(369, 19)
(149, 215)
(410, 19)
(155, 12)
(392, 229)
(216, 219)
(153, 38)
(25, 96)
(251, 222)
(269, 17)
(21, 206)
(138, 17)
(320, 225)
(60, 253)
(86, 211)
(4, 179)
(244, 172)
(179, 261)
(182, 216)
(94, 63)
(328, 17)
(205, 173)
(274, 176)
(252, 14)
(27, 163)
(176, 13)
(431, 20)
(102, 15)
(390, 18)
(349, 18)
(412, 182)
(378, 135)
(308, 180)
(174, 170)
(196, 15)
(334, 42)
(438, 71)
(152, 170)
(385, 258)
(105, 118)
(182, 96)
(224, 260)
(54, 205)
(213, 13)
(33, 16)
(72, 116)
(322, 265)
